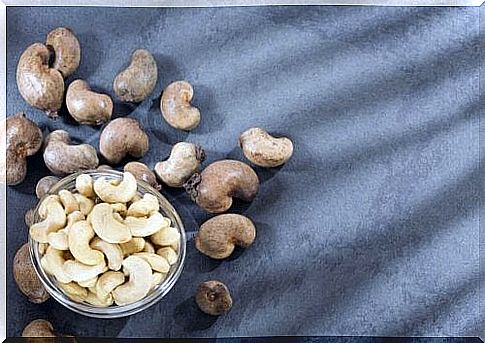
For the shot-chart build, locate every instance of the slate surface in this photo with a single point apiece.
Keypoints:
(370, 229)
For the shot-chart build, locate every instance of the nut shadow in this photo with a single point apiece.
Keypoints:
(190, 318)
(168, 72)
(211, 120)
(91, 46)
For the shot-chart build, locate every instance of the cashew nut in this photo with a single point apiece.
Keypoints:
(29, 217)
(108, 282)
(23, 138)
(98, 301)
(86, 106)
(139, 284)
(214, 188)
(113, 252)
(166, 236)
(61, 157)
(80, 234)
(40, 85)
(141, 172)
(44, 185)
(39, 328)
(156, 262)
(55, 260)
(121, 137)
(54, 219)
(123, 192)
(184, 161)
(69, 201)
(218, 236)
(143, 207)
(169, 254)
(81, 272)
(106, 226)
(176, 108)
(142, 227)
(214, 298)
(25, 277)
(138, 80)
(89, 283)
(135, 245)
(263, 149)
(67, 52)
(74, 291)
(149, 247)
(58, 240)
(84, 185)
(157, 279)
(85, 204)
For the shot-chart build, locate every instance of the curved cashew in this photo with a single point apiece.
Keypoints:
(55, 260)
(58, 240)
(69, 201)
(113, 252)
(44, 185)
(84, 185)
(141, 172)
(98, 301)
(169, 254)
(85, 204)
(157, 262)
(87, 106)
(123, 192)
(89, 283)
(149, 247)
(79, 236)
(81, 272)
(45, 265)
(265, 150)
(176, 108)
(139, 283)
(142, 227)
(74, 291)
(133, 246)
(185, 159)
(166, 236)
(157, 278)
(143, 207)
(67, 52)
(54, 217)
(73, 218)
(109, 281)
(106, 226)
(120, 208)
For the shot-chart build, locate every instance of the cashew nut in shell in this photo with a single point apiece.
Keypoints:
(80, 272)
(79, 236)
(166, 236)
(218, 236)
(213, 297)
(121, 137)
(45, 184)
(87, 106)
(55, 260)
(68, 201)
(40, 85)
(29, 217)
(184, 161)
(106, 226)
(156, 262)
(67, 51)
(84, 185)
(217, 185)
(113, 252)
(23, 138)
(133, 246)
(264, 150)
(123, 192)
(141, 172)
(176, 108)
(139, 284)
(142, 227)
(39, 328)
(108, 282)
(143, 207)
(169, 254)
(85, 204)
(62, 157)
(26, 278)
(138, 80)
(54, 219)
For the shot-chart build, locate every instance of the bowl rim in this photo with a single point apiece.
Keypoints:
(116, 311)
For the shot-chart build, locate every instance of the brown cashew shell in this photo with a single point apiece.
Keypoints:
(66, 49)
(138, 80)
(176, 108)
(218, 236)
(121, 137)
(214, 188)
(213, 297)
(86, 106)
(141, 172)
(62, 157)
(264, 150)
(26, 278)
(40, 85)
(23, 139)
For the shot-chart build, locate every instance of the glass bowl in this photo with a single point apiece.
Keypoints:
(113, 311)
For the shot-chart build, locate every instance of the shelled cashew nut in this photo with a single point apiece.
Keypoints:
(89, 283)
(133, 246)
(54, 217)
(108, 282)
(139, 284)
(81, 272)
(84, 185)
(143, 207)
(68, 201)
(157, 279)
(74, 291)
(79, 236)
(142, 227)
(120, 208)
(85, 204)
(73, 218)
(156, 262)
(58, 240)
(166, 236)
(97, 301)
(113, 252)
(55, 260)
(169, 254)
(148, 247)
(123, 192)
(106, 226)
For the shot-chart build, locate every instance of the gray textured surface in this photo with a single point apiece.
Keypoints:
(371, 228)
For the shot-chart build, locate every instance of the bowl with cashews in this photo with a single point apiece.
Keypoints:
(105, 244)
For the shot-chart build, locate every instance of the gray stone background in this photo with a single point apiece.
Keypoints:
(370, 229)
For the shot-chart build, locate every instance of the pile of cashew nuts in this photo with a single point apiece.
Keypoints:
(75, 230)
